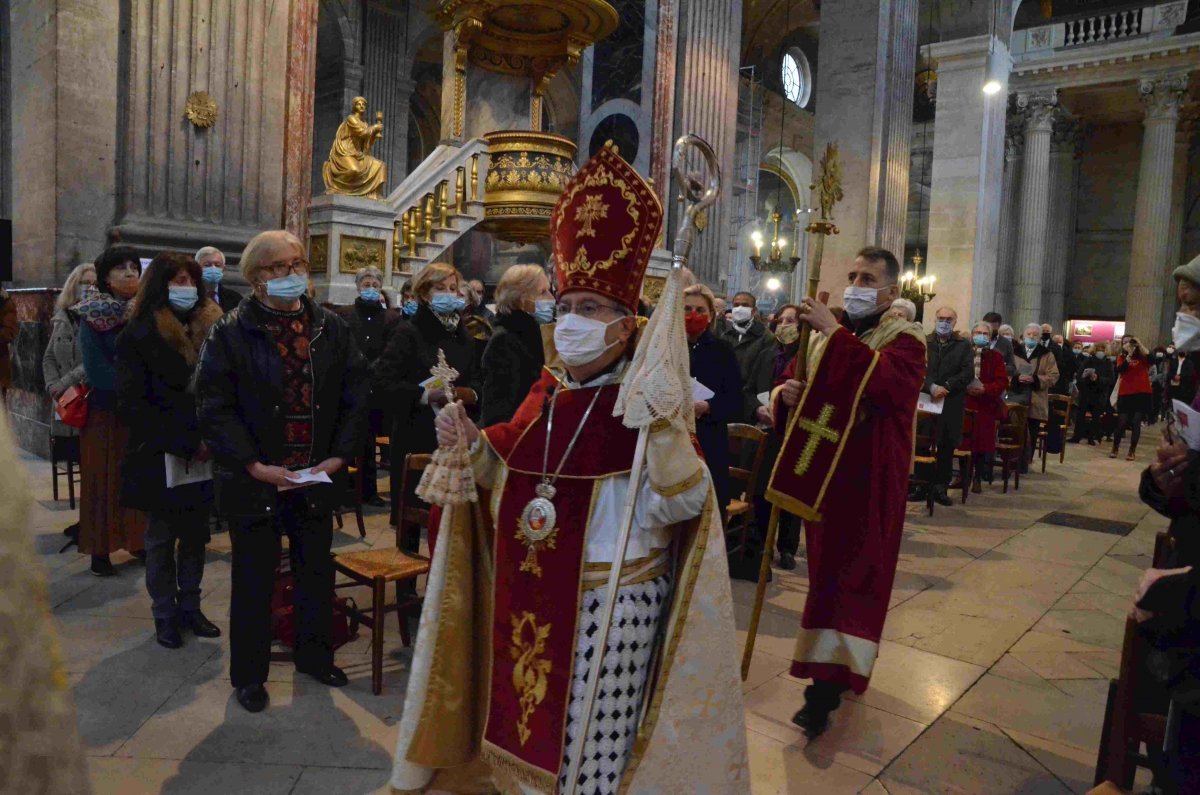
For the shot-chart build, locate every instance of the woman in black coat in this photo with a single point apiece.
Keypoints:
(713, 365)
(405, 364)
(514, 357)
(156, 357)
(281, 388)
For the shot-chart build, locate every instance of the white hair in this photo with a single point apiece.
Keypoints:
(1037, 327)
(910, 309)
(254, 256)
(518, 284)
(208, 251)
(365, 272)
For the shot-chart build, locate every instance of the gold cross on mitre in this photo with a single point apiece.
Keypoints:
(818, 432)
(445, 373)
(591, 211)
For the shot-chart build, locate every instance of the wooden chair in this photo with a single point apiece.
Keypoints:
(966, 458)
(412, 514)
(1059, 409)
(375, 568)
(356, 496)
(1010, 449)
(740, 511)
(64, 450)
(928, 426)
(1136, 708)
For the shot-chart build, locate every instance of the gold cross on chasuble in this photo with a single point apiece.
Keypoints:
(818, 432)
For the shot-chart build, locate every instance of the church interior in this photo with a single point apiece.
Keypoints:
(1032, 158)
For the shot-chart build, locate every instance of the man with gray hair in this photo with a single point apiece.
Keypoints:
(212, 268)
(950, 369)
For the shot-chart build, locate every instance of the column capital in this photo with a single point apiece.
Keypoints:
(1038, 109)
(1162, 96)
(1066, 136)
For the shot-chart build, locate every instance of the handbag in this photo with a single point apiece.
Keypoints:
(283, 614)
(72, 406)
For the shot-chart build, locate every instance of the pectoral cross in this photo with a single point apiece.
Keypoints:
(446, 373)
(818, 432)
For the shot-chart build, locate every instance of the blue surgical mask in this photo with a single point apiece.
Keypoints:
(212, 274)
(944, 327)
(370, 294)
(1100, 354)
(543, 311)
(982, 340)
(446, 303)
(410, 308)
(287, 288)
(182, 298)
(1031, 343)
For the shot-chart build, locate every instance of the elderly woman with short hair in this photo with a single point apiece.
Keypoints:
(903, 309)
(405, 364)
(1037, 371)
(281, 387)
(985, 397)
(513, 359)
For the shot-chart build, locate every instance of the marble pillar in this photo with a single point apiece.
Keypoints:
(298, 131)
(387, 86)
(865, 74)
(1006, 274)
(968, 168)
(706, 91)
(1032, 241)
(1148, 271)
(1060, 222)
(661, 146)
(1176, 256)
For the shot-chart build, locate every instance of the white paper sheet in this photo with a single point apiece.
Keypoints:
(765, 398)
(306, 477)
(700, 391)
(182, 471)
(925, 402)
(1187, 424)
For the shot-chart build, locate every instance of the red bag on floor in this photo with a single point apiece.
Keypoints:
(283, 614)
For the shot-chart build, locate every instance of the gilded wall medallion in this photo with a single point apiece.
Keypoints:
(201, 110)
(359, 252)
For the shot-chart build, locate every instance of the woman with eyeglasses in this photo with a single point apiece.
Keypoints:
(104, 525)
(403, 371)
(281, 387)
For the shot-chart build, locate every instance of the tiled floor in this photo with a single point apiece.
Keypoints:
(991, 676)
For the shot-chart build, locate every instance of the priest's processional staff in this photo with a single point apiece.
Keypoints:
(829, 193)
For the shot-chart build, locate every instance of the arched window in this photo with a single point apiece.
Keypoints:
(796, 76)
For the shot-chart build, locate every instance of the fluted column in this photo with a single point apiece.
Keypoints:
(1039, 109)
(1064, 177)
(1148, 272)
(1175, 255)
(1006, 274)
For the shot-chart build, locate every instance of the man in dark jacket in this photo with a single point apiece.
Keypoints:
(280, 388)
(212, 265)
(754, 347)
(1095, 380)
(950, 370)
(994, 319)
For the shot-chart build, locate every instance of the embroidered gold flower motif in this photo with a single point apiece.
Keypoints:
(588, 213)
(529, 674)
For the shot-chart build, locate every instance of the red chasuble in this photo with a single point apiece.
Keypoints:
(537, 585)
(852, 550)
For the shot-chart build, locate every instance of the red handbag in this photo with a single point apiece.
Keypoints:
(72, 405)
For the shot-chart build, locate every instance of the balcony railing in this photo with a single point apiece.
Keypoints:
(1104, 27)
(1150, 21)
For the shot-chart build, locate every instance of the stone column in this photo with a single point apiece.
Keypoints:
(706, 89)
(865, 73)
(1006, 274)
(661, 145)
(1064, 193)
(1032, 240)
(387, 87)
(968, 163)
(1148, 271)
(299, 103)
(1175, 254)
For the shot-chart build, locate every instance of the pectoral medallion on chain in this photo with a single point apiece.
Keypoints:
(537, 530)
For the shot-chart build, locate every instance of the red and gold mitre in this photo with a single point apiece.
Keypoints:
(604, 228)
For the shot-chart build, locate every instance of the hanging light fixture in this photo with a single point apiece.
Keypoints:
(916, 286)
(996, 72)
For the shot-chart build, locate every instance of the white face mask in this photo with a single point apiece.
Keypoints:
(1186, 333)
(860, 301)
(580, 340)
(742, 314)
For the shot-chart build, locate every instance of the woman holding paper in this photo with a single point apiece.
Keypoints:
(282, 395)
(716, 387)
(166, 471)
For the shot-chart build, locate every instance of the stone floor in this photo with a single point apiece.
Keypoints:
(1002, 634)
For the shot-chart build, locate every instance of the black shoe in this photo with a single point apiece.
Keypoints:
(1091, 442)
(199, 624)
(253, 698)
(787, 561)
(375, 502)
(102, 566)
(941, 497)
(331, 676)
(820, 699)
(916, 494)
(1076, 440)
(140, 555)
(166, 632)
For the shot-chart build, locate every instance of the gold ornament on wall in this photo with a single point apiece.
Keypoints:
(201, 110)
(359, 252)
(318, 254)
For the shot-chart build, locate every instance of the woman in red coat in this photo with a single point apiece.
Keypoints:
(985, 397)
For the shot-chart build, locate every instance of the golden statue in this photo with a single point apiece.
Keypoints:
(350, 169)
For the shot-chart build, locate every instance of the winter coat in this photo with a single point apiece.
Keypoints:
(228, 298)
(410, 355)
(1185, 370)
(1004, 346)
(372, 326)
(8, 335)
(239, 394)
(950, 364)
(988, 407)
(755, 353)
(1035, 395)
(1093, 395)
(1067, 365)
(512, 363)
(156, 359)
(714, 365)
(62, 363)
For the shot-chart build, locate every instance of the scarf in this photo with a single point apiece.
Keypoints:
(104, 312)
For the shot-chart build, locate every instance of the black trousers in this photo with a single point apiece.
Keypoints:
(256, 551)
(370, 469)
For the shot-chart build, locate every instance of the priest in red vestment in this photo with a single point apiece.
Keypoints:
(854, 435)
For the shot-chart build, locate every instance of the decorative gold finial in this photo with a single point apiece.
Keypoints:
(829, 186)
(201, 110)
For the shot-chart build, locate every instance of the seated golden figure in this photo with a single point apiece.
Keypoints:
(350, 169)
